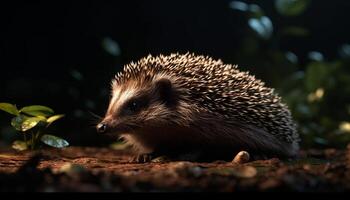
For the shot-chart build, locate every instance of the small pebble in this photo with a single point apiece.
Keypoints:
(307, 167)
(241, 157)
(185, 168)
(70, 168)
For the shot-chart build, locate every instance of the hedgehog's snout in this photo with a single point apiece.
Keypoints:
(102, 127)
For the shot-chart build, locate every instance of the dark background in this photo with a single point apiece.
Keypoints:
(54, 53)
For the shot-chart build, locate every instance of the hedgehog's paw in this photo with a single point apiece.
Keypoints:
(142, 158)
(241, 157)
(161, 159)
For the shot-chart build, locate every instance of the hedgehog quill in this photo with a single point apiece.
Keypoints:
(192, 106)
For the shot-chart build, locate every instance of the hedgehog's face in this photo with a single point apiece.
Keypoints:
(135, 106)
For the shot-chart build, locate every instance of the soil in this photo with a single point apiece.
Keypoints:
(87, 169)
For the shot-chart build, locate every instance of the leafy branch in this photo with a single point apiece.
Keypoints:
(31, 122)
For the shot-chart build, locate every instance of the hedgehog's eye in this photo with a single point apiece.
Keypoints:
(133, 106)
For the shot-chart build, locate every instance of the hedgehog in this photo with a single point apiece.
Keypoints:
(187, 106)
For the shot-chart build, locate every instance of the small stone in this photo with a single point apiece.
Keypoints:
(70, 168)
(245, 172)
(196, 171)
(182, 165)
(241, 171)
(307, 167)
(241, 157)
(185, 168)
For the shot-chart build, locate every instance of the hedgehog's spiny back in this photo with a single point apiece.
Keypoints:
(221, 89)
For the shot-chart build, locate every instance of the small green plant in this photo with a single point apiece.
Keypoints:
(31, 122)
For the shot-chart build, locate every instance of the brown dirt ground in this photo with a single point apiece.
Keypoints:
(86, 169)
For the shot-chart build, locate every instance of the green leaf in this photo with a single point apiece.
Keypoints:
(316, 75)
(37, 110)
(10, 108)
(262, 26)
(19, 145)
(54, 141)
(291, 57)
(315, 56)
(111, 46)
(295, 31)
(291, 7)
(54, 118)
(30, 123)
(319, 140)
(16, 122)
(76, 75)
(254, 9)
(344, 51)
(239, 5)
(42, 118)
(23, 123)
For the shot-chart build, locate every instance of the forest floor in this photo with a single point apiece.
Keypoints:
(86, 169)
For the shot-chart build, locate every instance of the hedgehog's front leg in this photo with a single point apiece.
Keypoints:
(155, 157)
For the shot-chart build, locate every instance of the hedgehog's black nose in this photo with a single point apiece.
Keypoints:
(101, 127)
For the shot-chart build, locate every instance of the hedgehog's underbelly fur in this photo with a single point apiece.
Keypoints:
(214, 138)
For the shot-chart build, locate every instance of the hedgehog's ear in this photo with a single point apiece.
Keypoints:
(165, 90)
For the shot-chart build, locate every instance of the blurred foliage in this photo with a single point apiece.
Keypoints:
(291, 7)
(319, 99)
(318, 91)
